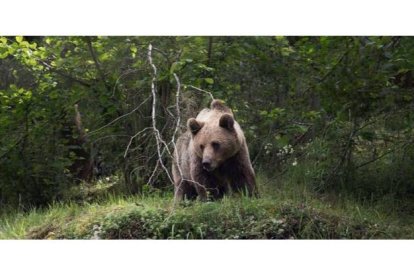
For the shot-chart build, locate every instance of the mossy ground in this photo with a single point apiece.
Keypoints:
(284, 213)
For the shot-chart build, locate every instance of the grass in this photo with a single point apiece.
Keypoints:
(282, 212)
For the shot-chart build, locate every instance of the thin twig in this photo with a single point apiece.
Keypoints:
(382, 155)
(132, 138)
(127, 72)
(117, 119)
(201, 90)
(63, 74)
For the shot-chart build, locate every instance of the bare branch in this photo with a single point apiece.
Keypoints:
(127, 72)
(383, 155)
(120, 117)
(201, 90)
(177, 126)
(133, 137)
(108, 137)
(158, 139)
(162, 146)
(177, 106)
(63, 74)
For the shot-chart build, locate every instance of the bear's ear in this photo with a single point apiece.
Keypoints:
(227, 122)
(194, 126)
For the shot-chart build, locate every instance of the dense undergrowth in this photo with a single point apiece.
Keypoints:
(282, 213)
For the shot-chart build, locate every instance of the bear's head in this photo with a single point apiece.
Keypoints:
(215, 136)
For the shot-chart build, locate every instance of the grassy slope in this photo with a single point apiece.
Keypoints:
(287, 213)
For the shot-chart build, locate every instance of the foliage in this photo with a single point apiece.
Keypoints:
(232, 218)
(332, 112)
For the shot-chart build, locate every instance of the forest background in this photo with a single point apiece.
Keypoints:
(87, 117)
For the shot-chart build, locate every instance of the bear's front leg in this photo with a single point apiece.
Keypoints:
(184, 190)
(200, 182)
(249, 179)
(204, 182)
(245, 181)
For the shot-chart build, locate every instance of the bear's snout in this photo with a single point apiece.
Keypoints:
(207, 164)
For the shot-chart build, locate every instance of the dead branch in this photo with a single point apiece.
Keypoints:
(63, 74)
(132, 138)
(163, 147)
(204, 91)
(177, 126)
(159, 141)
(127, 72)
(383, 155)
(177, 106)
(119, 118)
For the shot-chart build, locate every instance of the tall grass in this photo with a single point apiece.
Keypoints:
(286, 209)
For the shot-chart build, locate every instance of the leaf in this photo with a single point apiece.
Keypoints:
(282, 140)
(33, 45)
(133, 50)
(174, 67)
(209, 80)
(301, 128)
(19, 39)
(32, 62)
(4, 55)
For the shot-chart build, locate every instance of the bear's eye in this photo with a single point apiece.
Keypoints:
(201, 147)
(215, 145)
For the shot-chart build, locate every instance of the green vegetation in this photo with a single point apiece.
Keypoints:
(286, 214)
(329, 122)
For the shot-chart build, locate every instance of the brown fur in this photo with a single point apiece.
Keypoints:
(212, 157)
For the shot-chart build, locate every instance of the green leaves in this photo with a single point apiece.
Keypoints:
(209, 80)
(274, 113)
(282, 140)
(133, 50)
(4, 48)
(284, 91)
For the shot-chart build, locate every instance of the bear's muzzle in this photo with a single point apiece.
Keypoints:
(207, 165)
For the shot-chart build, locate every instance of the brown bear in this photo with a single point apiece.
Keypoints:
(211, 159)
